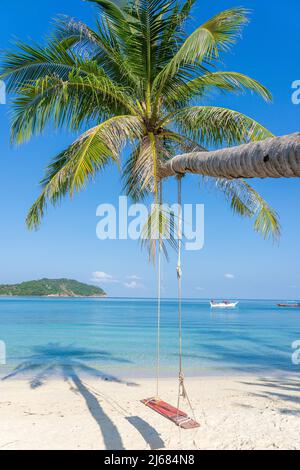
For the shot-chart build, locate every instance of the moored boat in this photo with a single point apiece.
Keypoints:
(223, 304)
(289, 305)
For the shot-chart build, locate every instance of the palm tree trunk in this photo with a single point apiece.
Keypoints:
(278, 157)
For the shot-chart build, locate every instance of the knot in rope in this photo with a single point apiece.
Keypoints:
(179, 271)
(182, 390)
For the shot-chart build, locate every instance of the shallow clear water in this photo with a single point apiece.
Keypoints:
(118, 337)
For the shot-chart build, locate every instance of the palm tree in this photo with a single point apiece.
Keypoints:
(135, 79)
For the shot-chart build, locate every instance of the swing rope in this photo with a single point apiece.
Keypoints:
(179, 280)
(181, 419)
(158, 294)
(182, 392)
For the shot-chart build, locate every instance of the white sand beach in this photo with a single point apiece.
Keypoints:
(234, 413)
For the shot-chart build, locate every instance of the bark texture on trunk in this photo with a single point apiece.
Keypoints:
(278, 157)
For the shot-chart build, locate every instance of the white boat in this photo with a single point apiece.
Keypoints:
(224, 304)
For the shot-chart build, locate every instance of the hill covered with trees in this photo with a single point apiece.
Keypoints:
(51, 288)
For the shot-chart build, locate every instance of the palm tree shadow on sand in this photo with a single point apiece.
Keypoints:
(69, 362)
(281, 390)
(54, 360)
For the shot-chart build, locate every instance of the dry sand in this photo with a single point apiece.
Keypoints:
(78, 413)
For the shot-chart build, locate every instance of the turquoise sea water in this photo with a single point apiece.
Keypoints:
(117, 337)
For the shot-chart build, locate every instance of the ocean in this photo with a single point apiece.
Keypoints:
(116, 338)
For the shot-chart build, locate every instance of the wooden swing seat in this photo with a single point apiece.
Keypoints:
(178, 417)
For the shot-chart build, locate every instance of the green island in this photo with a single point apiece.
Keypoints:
(51, 288)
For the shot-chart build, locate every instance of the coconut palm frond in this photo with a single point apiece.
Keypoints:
(133, 184)
(151, 154)
(32, 62)
(182, 142)
(76, 35)
(211, 125)
(173, 33)
(205, 43)
(67, 103)
(79, 163)
(142, 45)
(138, 171)
(224, 81)
(185, 11)
(266, 221)
(116, 15)
(159, 231)
(99, 45)
(247, 202)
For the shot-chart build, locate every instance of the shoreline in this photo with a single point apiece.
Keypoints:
(54, 296)
(76, 412)
(106, 373)
(153, 299)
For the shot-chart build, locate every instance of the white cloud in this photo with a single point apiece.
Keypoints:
(132, 285)
(100, 276)
(229, 276)
(134, 277)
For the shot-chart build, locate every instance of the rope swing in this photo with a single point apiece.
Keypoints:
(182, 392)
(158, 295)
(180, 418)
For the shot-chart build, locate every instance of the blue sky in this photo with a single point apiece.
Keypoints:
(67, 246)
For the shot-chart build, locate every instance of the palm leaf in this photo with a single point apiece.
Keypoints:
(159, 230)
(211, 125)
(80, 162)
(132, 184)
(112, 11)
(224, 81)
(32, 62)
(100, 45)
(245, 201)
(65, 103)
(205, 43)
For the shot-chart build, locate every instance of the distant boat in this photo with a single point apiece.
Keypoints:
(289, 305)
(223, 304)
